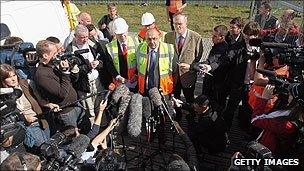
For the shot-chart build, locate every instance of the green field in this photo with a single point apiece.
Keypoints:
(202, 19)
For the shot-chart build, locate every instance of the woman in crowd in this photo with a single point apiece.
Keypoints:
(37, 131)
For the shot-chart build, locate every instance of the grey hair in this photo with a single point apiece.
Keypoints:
(180, 15)
(81, 28)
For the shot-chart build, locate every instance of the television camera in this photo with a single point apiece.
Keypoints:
(71, 57)
(288, 54)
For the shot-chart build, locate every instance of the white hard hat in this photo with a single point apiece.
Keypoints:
(147, 19)
(120, 26)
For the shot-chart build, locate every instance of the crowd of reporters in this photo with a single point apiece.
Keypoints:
(65, 89)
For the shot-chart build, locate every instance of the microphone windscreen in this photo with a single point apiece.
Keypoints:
(155, 97)
(146, 107)
(120, 91)
(135, 116)
(122, 110)
(79, 145)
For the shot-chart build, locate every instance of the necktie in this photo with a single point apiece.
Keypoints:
(151, 69)
(180, 44)
(124, 49)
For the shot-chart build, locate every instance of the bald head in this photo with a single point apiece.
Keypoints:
(153, 37)
(84, 18)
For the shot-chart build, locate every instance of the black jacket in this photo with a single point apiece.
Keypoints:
(237, 55)
(219, 62)
(98, 51)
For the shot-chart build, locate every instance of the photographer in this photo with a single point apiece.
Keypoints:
(90, 65)
(54, 85)
(280, 130)
(37, 131)
(21, 161)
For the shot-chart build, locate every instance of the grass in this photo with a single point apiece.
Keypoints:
(201, 19)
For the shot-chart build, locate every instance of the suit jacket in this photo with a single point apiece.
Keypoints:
(191, 53)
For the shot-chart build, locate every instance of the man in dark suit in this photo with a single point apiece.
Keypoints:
(188, 49)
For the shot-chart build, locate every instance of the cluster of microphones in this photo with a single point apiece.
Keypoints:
(135, 110)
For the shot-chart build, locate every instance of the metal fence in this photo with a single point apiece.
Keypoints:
(275, 4)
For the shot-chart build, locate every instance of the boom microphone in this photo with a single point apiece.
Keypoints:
(155, 97)
(122, 116)
(259, 43)
(120, 91)
(146, 109)
(79, 145)
(135, 117)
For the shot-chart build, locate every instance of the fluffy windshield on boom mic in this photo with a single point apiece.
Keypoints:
(120, 91)
(155, 97)
(79, 145)
(146, 107)
(135, 116)
(122, 116)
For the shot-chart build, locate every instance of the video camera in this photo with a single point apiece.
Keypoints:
(10, 115)
(61, 153)
(18, 55)
(71, 57)
(288, 54)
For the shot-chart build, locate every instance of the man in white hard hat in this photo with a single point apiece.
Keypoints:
(122, 50)
(148, 22)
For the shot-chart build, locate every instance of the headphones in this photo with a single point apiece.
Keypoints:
(23, 163)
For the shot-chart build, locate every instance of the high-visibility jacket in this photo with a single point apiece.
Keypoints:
(165, 56)
(132, 44)
(174, 5)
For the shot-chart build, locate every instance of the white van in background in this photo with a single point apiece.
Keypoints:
(35, 20)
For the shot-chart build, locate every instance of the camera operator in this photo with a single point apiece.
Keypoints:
(21, 161)
(54, 85)
(280, 130)
(241, 68)
(90, 65)
(37, 131)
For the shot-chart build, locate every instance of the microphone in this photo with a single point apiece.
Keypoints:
(146, 107)
(259, 43)
(7, 107)
(146, 110)
(111, 88)
(156, 98)
(119, 91)
(79, 145)
(6, 90)
(135, 115)
(122, 118)
(267, 72)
